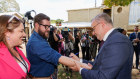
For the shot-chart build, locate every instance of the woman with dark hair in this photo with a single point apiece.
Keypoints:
(54, 38)
(13, 63)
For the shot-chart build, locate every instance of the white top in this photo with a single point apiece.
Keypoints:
(23, 67)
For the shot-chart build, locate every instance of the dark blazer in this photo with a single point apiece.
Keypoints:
(133, 36)
(114, 60)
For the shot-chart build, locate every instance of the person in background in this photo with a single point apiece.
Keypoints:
(76, 44)
(93, 46)
(87, 44)
(54, 38)
(121, 30)
(61, 43)
(83, 45)
(115, 57)
(68, 41)
(42, 57)
(124, 32)
(135, 38)
(13, 63)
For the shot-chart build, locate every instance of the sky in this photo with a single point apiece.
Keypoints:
(55, 9)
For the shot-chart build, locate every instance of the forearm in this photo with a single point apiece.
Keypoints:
(71, 37)
(71, 62)
(55, 37)
(66, 61)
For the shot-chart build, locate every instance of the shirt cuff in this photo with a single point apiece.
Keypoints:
(81, 60)
(80, 70)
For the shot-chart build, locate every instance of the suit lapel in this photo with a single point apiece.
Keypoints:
(100, 51)
(10, 61)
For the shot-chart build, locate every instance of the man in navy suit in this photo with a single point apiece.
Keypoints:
(114, 59)
(134, 37)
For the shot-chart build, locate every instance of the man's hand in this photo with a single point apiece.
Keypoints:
(76, 67)
(136, 40)
(73, 56)
(86, 66)
(79, 65)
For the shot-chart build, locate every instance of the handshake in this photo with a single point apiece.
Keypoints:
(77, 64)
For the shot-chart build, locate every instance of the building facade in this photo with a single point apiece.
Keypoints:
(119, 15)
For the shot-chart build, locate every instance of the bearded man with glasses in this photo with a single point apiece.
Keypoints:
(42, 57)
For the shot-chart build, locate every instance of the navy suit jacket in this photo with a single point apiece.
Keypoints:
(114, 60)
(133, 36)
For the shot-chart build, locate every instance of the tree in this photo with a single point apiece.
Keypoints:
(58, 22)
(111, 3)
(9, 6)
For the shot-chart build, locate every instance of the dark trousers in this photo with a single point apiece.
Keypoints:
(87, 53)
(136, 49)
(83, 52)
(93, 50)
(76, 51)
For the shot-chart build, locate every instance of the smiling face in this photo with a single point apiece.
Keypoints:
(100, 28)
(97, 30)
(15, 38)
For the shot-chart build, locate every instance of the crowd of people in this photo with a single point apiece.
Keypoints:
(49, 46)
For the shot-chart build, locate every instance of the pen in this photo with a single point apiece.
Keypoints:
(75, 54)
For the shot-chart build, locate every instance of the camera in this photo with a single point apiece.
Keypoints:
(65, 34)
(52, 30)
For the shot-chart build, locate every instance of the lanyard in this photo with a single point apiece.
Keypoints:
(23, 63)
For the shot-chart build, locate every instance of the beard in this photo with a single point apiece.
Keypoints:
(42, 34)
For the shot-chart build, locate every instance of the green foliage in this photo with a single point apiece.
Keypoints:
(57, 20)
(111, 3)
(62, 74)
(53, 21)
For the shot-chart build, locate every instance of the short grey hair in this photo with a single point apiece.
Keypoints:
(103, 16)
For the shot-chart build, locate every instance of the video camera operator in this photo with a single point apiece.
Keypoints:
(69, 40)
(53, 38)
(68, 44)
(85, 46)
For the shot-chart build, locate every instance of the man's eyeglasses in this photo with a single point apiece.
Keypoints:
(46, 26)
(95, 26)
